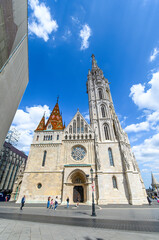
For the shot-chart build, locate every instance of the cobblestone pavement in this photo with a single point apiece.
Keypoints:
(139, 214)
(16, 230)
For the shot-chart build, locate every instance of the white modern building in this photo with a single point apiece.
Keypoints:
(13, 60)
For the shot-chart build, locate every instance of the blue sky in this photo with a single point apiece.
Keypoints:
(124, 37)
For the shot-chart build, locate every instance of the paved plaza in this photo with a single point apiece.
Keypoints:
(35, 221)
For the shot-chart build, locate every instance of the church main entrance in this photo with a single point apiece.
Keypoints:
(78, 194)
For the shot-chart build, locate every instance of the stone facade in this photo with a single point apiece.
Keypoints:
(61, 157)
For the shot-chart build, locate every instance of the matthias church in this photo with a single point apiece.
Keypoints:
(61, 157)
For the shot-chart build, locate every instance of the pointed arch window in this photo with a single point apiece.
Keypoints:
(70, 137)
(78, 124)
(103, 111)
(100, 93)
(114, 182)
(86, 129)
(110, 157)
(70, 129)
(82, 126)
(74, 126)
(44, 158)
(66, 137)
(37, 138)
(57, 137)
(107, 132)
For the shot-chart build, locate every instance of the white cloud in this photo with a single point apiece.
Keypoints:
(67, 34)
(85, 34)
(147, 99)
(75, 20)
(147, 153)
(41, 23)
(154, 54)
(26, 122)
(143, 126)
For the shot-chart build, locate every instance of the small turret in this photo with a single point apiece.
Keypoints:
(94, 62)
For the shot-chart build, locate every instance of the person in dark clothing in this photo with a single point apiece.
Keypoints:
(22, 203)
(67, 200)
(148, 199)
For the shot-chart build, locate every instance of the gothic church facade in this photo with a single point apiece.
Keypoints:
(61, 157)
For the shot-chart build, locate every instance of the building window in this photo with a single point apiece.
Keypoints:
(44, 138)
(74, 137)
(114, 182)
(100, 93)
(86, 129)
(90, 136)
(70, 137)
(82, 136)
(74, 126)
(66, 137)
(82, 126)
(78, 124)
(70, 129)
(57, 137)
(78, 137)
(44, 158)
(103, 111)
(106, 132)
(37, 138)
(86, 136)
(51, 137)
(110, 157)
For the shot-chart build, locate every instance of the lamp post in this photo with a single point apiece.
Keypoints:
(93, 205)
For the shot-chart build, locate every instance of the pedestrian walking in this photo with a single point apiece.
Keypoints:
(51, 203)
(56, 202)
(149, 200)
(6, 199)
(48, 202)
(22, 203)
(78, 200)
(67, 200)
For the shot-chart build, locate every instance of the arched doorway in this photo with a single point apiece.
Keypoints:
(78, 182)
(78, 194)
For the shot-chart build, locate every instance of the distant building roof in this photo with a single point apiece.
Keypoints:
(15, 150)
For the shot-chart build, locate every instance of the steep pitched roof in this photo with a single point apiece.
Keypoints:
(41, 125)
(89, 129)
(55, 119)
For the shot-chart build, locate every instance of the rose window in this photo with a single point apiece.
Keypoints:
(78, 153)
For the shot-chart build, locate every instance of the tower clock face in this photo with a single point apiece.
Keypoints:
(78, 153)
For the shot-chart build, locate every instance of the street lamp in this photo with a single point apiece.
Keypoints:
(93, 205)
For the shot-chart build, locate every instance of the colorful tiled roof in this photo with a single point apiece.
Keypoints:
(55, 119)
(41, 125)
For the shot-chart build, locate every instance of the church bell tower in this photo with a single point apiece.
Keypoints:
(118, 175)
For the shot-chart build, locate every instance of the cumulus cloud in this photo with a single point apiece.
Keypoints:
(85, 34)
(143, 126)
(26, 121)
(147, 99)
(147, 153)
(41, 23)
(154, 54)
